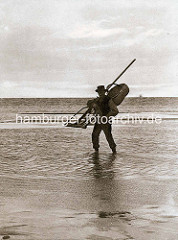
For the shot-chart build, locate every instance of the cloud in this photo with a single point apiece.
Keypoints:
(94, 31)
(52, 45)
(142, 36)
(154, 32)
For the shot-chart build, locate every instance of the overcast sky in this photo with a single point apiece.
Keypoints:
(65, 48)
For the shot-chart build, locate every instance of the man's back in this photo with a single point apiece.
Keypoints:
(104, 106)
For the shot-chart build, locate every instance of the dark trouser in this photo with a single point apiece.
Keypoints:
(107, 131)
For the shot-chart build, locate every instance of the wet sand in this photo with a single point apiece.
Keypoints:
(85, 209)
(54, 189)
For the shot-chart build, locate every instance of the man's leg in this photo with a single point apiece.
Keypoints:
(95, 136)
(107, 131)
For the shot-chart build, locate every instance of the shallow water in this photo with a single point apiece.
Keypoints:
(53, 186)
(12, 106)
(147, 150)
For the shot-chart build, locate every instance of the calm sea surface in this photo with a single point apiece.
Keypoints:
(10, 107)
(144, 149)
(52, 185)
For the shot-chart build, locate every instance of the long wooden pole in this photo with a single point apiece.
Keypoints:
(110, 85)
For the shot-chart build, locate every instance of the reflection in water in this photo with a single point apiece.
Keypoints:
(103, 170)
(106, 194)
(104, 182)
(55, 167)
(144, 151)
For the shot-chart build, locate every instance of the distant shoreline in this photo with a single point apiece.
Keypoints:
(79, 97)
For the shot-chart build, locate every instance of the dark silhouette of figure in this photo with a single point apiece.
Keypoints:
(103, 106)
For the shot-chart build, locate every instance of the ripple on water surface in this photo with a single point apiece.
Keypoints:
(143, 151)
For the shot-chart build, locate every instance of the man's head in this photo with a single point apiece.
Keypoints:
(101, 90)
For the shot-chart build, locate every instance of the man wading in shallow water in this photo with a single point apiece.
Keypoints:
(103, 106)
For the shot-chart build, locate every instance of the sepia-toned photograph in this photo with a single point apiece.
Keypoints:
(88, 120)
